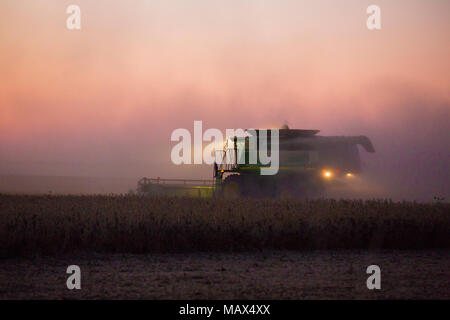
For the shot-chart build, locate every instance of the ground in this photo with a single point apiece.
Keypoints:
(321, 274)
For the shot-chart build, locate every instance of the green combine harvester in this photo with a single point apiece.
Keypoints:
(308, 165)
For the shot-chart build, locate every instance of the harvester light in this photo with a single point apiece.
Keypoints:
(327, 174)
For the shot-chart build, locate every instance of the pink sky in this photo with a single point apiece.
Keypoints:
(104, 100)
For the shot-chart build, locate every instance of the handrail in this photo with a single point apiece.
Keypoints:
(228, 161)
(177, 181)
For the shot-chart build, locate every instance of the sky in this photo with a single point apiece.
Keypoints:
(102, 101)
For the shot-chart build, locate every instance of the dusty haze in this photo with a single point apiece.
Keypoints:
(99, 105)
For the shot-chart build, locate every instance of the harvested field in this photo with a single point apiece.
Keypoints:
(321, 274)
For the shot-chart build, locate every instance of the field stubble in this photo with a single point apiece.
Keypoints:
(280, 274)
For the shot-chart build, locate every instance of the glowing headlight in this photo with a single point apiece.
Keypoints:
(327, 173)
(349, 175)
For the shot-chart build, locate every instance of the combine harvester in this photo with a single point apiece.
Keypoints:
(308, 165)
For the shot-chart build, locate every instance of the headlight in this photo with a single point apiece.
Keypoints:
(349, 175)
(327, 174)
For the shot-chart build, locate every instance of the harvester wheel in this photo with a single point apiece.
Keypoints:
(232, 186)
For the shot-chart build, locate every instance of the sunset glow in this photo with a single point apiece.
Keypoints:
(103, 100)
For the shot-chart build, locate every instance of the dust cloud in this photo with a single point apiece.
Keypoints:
(409, 131)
